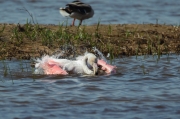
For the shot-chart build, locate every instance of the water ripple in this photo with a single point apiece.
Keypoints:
(142, 87)
(116, 12)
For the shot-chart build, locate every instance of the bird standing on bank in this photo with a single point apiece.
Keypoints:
(77, 10)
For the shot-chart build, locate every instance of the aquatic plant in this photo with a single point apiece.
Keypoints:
(31, 15)
(144, 70)
(5, 69)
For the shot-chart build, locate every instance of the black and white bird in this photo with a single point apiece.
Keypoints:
(77, 10)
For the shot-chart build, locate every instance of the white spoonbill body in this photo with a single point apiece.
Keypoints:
(86, 64)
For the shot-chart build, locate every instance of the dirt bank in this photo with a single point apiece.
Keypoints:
(26, 41)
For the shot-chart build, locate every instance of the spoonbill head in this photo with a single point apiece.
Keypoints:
(90, 63)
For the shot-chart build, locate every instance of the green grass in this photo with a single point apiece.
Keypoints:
(116, 42)
(17, 36)
(2, 29)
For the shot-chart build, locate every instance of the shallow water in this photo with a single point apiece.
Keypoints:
(143, 88)
(108, 12)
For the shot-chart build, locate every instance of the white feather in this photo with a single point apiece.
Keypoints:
(63, 12)
(76, 66)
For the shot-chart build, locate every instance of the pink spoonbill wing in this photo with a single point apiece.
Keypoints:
(52, 68)
(107, 67)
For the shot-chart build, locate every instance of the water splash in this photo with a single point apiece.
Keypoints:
(66, 52)
(99, 54)
(70, 52)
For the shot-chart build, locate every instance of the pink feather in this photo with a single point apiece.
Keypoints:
(107, 67)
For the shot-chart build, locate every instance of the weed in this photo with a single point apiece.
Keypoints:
(159, 48)
(144, 70)
(5, 68)
(109, 29)
(127, 33)
(110, 49)
(2, 30)
(32, 18)
(17, 36)
(47, 37)
(97, 34)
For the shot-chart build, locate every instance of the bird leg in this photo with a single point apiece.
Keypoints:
(80, 22)
(73, 22)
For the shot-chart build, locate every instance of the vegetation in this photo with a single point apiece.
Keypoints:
(30, 40)
(33, 40)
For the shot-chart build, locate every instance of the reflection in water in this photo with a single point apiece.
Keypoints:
(142, 87)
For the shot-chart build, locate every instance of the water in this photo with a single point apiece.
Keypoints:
(107, 11)
(143, 88)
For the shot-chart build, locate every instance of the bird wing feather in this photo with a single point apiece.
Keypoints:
(80, 8)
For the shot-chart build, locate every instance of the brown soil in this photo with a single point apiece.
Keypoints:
(125, 39)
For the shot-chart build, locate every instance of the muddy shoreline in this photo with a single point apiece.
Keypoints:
(28, 41)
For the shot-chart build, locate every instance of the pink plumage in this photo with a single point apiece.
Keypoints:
(51, 67)
(106, 67)
(87, 64)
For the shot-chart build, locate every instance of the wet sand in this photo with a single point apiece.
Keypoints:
(28, 41)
